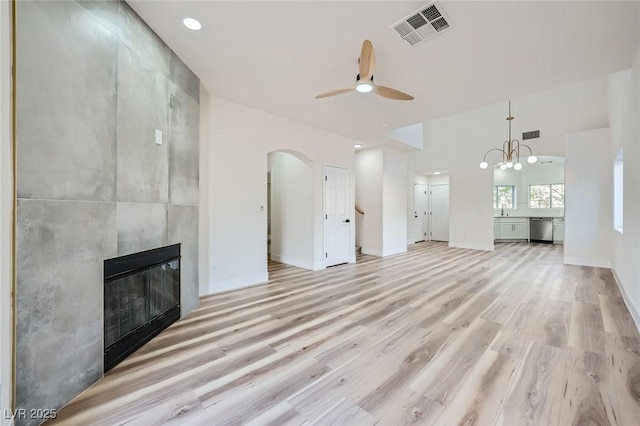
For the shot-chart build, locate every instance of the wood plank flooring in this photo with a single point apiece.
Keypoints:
(436, 336)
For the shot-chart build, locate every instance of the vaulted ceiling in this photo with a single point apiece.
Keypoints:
(276, 56)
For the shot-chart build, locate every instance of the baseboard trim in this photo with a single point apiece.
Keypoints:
(319, 266)
(635, 314)
(472, 246)
(373, 252)
(585, 261)
(397, 250)
(237, 284)
(288, 261)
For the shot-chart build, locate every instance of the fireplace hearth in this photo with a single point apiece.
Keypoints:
(141, 298)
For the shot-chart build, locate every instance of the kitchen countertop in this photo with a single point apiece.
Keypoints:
(527, 216)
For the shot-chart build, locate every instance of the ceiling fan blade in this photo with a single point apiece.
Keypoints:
(335, 92)
(387, 92)
(367, 60)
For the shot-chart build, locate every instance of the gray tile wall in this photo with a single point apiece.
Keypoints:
(94, 82)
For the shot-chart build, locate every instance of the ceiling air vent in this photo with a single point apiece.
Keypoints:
(423, 24)
(531, 135)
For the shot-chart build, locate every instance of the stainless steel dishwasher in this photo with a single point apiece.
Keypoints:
(541, 229)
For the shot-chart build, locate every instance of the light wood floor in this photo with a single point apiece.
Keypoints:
(437, 336)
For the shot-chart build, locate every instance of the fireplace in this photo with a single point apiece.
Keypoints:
(141, 298)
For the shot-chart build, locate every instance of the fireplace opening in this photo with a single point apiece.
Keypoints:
(141, 298)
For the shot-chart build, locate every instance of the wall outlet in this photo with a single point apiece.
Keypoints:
(214, 268)
(159, 136)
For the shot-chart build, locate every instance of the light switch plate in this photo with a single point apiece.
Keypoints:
(159, 136)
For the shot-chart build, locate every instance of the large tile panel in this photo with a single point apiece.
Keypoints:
(184, 134)
(66, 100)
(143, 103)
(105, 11)
(61, 246)
(183, 228)
(136, 34)
(184, 78)
(141, 226)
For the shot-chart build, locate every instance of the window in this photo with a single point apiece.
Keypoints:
(617, 192)
(504, 197)
(546, 196)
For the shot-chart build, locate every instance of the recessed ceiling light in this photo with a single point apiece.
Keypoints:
(358, 145)
(192, 24)
(436, 173)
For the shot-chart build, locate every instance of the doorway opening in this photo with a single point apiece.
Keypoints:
(429, 216)
(290, 208)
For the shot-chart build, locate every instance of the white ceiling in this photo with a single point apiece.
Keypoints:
(276, 56)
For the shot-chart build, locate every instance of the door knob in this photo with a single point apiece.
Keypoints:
(347, 221)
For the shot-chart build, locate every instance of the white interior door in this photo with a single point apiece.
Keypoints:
(420, 202)
(337, 216)
(439, 217)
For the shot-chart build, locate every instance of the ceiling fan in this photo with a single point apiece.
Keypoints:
(364, 79)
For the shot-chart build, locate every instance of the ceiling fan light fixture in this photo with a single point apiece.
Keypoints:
(364, 86)
(364, 79)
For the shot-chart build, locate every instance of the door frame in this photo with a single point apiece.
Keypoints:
(350, 215)
(431, 211)
(426, 224)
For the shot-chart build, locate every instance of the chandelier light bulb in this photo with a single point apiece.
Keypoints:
(509, 164)
(484, 165)
(503, 166)
(532, 159)
(517, 166)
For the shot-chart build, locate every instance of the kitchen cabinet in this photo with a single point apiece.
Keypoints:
(558, 230)
(511, 228)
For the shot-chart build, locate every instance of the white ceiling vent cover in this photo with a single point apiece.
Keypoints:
(423, 24)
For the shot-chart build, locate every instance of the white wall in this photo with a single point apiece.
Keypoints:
(382, 192)
(530, 175)
(438, 180)
(457, 143)
(394, 201)
(239, 140)
(411, 135)
(369, 175)
(6, 203)
(624, 108)
(291, 210)
(588, 198)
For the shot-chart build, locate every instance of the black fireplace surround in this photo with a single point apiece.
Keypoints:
(141, 298)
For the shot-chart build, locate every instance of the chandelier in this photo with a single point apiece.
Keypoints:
(510, 151)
